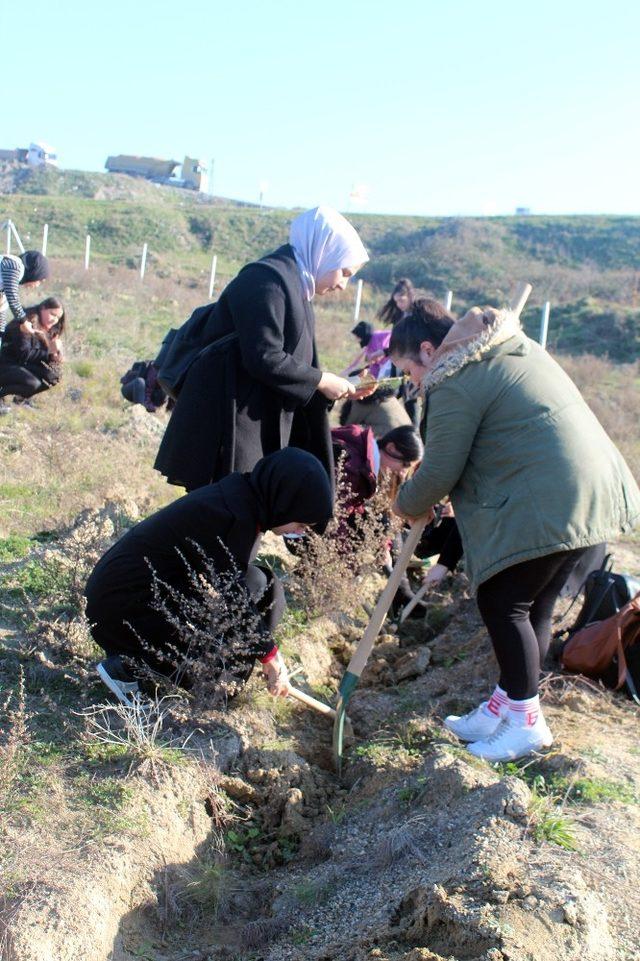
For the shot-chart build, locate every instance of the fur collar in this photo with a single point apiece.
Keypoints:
(469, 340)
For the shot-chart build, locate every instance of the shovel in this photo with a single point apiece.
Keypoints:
(363, 650)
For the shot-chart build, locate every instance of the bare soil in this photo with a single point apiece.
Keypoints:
(252, 848)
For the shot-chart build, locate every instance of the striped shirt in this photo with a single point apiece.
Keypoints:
(11, 273)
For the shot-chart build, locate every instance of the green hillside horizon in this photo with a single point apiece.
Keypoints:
(586, 266)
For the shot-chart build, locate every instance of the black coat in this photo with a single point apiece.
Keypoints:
(22, 348)
(257, 394)
(222, 520)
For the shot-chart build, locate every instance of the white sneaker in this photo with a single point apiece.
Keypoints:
(510, 741)
(119, 681)
(474, 726)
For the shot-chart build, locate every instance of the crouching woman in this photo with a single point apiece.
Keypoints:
(534, 481)
(31, 355)
(178, 592)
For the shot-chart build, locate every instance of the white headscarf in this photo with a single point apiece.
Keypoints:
(324, 240)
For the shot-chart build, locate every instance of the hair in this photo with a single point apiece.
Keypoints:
(428, 320)
(36, 266)
(390, 313)
(363, 330)
(49, 303)
(406, 440)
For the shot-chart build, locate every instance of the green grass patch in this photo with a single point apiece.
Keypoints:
(14, 547)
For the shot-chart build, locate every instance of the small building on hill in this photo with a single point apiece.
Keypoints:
(194, 172)
(37, 154)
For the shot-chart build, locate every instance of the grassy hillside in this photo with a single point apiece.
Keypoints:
(586, 266)
(226, 834)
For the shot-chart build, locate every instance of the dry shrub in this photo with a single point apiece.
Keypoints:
(331, 568)
(216, 627)
(15, 737)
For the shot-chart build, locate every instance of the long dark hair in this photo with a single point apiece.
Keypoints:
(407, 442)
(428, 320)
(390, 313)
(49, 303)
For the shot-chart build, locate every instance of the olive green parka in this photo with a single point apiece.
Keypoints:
(529, 468)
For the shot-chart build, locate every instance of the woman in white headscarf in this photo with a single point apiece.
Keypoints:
(258, 386)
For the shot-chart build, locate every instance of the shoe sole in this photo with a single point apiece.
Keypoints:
(515, 757)
(114, 687)
(465, 738)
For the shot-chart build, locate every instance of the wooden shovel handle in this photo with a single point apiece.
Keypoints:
(415, 600)
(365, 646)
(522, 298)
(318, 706)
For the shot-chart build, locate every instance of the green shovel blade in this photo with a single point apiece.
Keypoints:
(347, 687)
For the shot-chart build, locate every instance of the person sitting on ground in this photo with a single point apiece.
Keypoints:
(508, 436)
(140, 386)
(31, 354)
(28, 269)
(373, 356)
(217, 525)
(257, 384)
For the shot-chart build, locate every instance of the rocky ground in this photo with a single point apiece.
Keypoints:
(245, 845)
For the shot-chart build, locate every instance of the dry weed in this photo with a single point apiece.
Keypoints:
(216, 627)
(331, 568)
(15, 735)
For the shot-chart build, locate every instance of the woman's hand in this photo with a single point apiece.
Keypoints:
(434, 575)
(277, 676)
(334, 387)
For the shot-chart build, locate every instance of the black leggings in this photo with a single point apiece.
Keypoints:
(517, 606)
(20, 381)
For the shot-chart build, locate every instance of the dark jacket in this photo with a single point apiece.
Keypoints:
(222, 521)
(254, 395)
(20, 347)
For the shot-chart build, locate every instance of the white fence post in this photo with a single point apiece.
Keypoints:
(448, 300)
(544, 324)
(87, 251)
(45, 237)
(16, 236)
(8, 226)
(356, 311)
(212, 276)
(144, 261)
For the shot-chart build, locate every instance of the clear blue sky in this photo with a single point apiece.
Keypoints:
(436, 106)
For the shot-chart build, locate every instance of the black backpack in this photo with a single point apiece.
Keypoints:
(605, 593)
(181, 347)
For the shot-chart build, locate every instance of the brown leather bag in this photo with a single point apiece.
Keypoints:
(595, 648)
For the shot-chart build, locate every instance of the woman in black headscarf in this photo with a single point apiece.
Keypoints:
(173, 553)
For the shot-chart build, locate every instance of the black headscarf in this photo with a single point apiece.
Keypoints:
(363, 330)
(36, 266)
(291, 485)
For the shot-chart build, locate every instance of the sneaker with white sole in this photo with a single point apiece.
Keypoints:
(118, 679)
(510, 741)
(475, 725)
